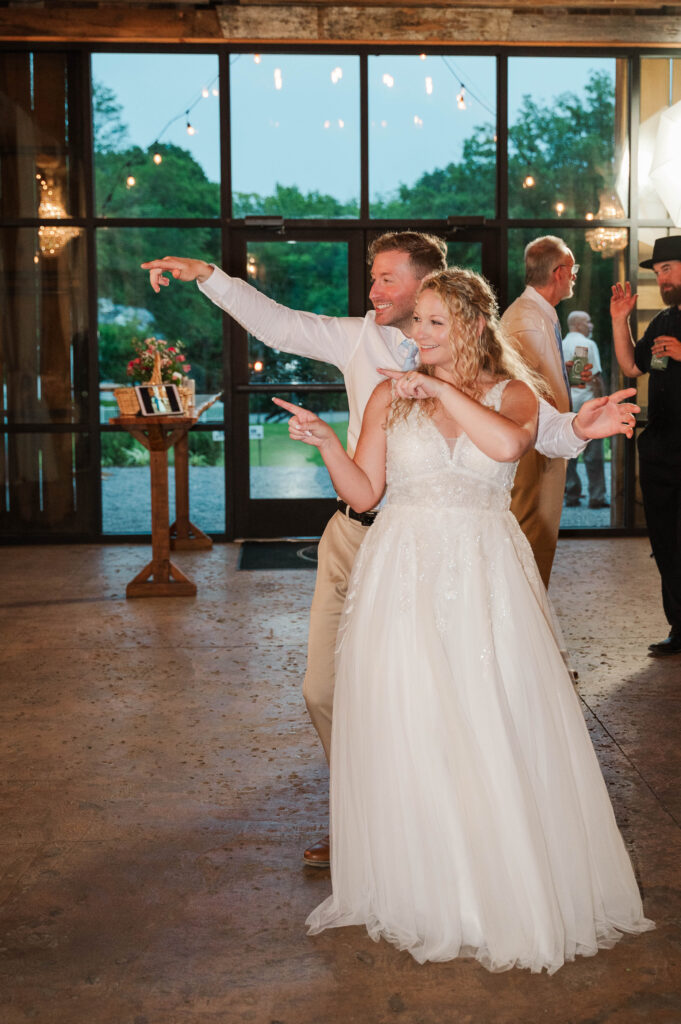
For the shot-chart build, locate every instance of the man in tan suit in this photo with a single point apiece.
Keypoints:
(537, 499)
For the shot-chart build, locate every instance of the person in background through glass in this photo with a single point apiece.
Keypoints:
(580, 327)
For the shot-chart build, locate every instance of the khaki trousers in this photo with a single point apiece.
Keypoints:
(537, 503)
(336, 554)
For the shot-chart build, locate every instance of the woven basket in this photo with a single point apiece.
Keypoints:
(128, 403)
(187, 396)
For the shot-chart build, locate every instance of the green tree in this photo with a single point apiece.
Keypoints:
(463, 189)
(567, 147)
(289, 201)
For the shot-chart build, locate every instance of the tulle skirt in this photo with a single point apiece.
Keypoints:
(469, 816)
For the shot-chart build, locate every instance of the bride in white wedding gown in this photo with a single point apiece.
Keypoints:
(469, 816)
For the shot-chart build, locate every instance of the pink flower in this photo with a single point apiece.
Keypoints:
(186, 367)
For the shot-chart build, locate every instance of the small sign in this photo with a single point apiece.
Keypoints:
(256, 433)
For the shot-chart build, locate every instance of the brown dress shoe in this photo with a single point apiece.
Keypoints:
(319, 854)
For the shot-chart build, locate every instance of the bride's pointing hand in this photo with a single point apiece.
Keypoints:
(305, 426)
(413, 384)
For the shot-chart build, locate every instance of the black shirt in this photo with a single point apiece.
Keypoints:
(661, 439)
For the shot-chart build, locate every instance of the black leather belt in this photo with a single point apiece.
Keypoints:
(365, 518)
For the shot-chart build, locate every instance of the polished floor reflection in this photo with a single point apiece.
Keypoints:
(159, 781)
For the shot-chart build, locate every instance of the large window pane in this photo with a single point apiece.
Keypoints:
(43, 344)
(311, 276)
(465, 254)
(129, 310)
(40, 160)
(126, 486)
(157, 134)
(295, 135)
(45, 484)
(432, 136)
(567, 148)
(281, 468)
(592, 294)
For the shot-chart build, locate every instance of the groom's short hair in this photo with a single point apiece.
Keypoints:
(427, 253)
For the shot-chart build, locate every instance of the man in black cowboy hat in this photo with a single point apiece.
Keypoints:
(659, 446)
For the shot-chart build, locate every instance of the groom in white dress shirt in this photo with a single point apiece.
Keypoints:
(357, 346)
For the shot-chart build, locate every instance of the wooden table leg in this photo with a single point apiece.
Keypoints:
(184, 536)
(160, 578)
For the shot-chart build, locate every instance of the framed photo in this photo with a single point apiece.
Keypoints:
(159, 400)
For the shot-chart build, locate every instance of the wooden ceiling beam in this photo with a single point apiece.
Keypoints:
(321, 23)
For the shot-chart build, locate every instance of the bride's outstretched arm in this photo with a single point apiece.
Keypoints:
(359, 481)
(503, 435)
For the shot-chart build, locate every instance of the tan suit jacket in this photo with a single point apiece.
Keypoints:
(537, 498)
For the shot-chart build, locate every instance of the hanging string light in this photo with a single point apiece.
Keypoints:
(429, 86)
(465, 88)
(528, 181)
(336, 75)
(461, 99)
(278, 80)
(559, 208)
(156, 155)
(388, 80)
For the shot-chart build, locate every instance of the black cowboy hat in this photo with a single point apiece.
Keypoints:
(667, 248)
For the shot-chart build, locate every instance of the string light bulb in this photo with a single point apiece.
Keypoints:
(422, 56)
(336, 75)
(215, 91)
(191, 130)
(461, 99)
(205, 93)
(418, 121)
(130, 181)
(388, 80)
(157, 158)
(256, 58)
(589, 216)
(278, 80)
(429, 86)
(529, 181)
(559, 208)
(258, 366)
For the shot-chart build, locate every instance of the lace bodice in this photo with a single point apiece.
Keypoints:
(422, 470)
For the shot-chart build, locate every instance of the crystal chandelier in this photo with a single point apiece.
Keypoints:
(608, 241)
(51, 237)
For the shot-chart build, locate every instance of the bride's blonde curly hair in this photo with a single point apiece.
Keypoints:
(477, 341)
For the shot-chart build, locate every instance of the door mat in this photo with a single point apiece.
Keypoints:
(278, 554)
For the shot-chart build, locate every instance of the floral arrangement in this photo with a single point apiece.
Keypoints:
(174, 365)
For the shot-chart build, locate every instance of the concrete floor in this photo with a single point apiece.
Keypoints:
(159, 781)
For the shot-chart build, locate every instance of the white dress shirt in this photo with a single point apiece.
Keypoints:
(357, 346)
